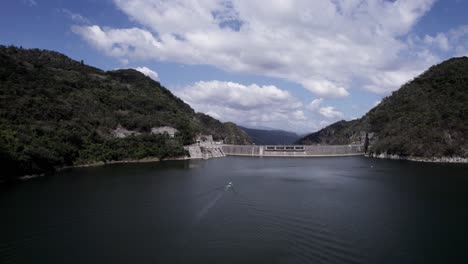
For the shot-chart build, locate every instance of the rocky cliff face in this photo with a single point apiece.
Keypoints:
(425, 118)
(198, 152)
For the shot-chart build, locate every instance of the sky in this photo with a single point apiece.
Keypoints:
(296, 65)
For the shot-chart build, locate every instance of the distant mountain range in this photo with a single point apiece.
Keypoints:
(55, 111)
(271, 137)
(427, 118)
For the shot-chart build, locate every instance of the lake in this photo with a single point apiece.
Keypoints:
(278, 210)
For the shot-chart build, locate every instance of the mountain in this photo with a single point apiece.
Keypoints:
(229, 132)
(339, 133)
(426, 118)
(55, 111)
(271, 137)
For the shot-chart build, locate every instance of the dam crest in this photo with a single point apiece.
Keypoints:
(293, 150)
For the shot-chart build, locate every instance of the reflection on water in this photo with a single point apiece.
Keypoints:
(323, 210)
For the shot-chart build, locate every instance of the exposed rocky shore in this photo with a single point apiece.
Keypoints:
(421, 159)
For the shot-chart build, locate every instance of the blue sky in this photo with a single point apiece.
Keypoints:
(294, 65)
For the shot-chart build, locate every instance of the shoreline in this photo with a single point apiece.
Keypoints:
(103, 163)
(447, 160)
(97, 164)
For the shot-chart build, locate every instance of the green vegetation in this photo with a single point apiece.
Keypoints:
(427, 117)
(229, 132)
(131, 148)
(339, 133)
(55, 112)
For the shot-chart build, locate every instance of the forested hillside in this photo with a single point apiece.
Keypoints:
(55, 111)
(427, 117)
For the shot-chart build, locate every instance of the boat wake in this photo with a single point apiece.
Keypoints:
(212, 203)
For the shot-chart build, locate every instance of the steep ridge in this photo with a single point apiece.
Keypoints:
(426, 118)
(271, 137)
(55, 111)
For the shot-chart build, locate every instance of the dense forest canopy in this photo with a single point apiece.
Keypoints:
(55, 111)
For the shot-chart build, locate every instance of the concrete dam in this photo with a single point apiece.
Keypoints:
(293, 151)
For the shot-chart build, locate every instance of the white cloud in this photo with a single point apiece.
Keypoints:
(325, 88)
(148, 72)
(251, 105)
(382, 82)
(446, 41)
(315, 104)
(238, 96)
(330, 112)
(324, 123)
(77, 18)
(299, 115)
(440, 40)
(323, 45)
(458, 38)
(121, 43)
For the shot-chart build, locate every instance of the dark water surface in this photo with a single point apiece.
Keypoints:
(326, 210)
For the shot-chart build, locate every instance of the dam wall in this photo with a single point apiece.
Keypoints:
(205, 152)
(293, 151)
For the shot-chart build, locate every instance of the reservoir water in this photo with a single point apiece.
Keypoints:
(278, 210)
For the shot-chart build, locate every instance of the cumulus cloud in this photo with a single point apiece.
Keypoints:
(440, 40)
(238, 96)
(148, 72)
(324, 88)
(314, 105)
(420, 53)
(250, 105)
(455, 39)
(322, 45)
(330, 112)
